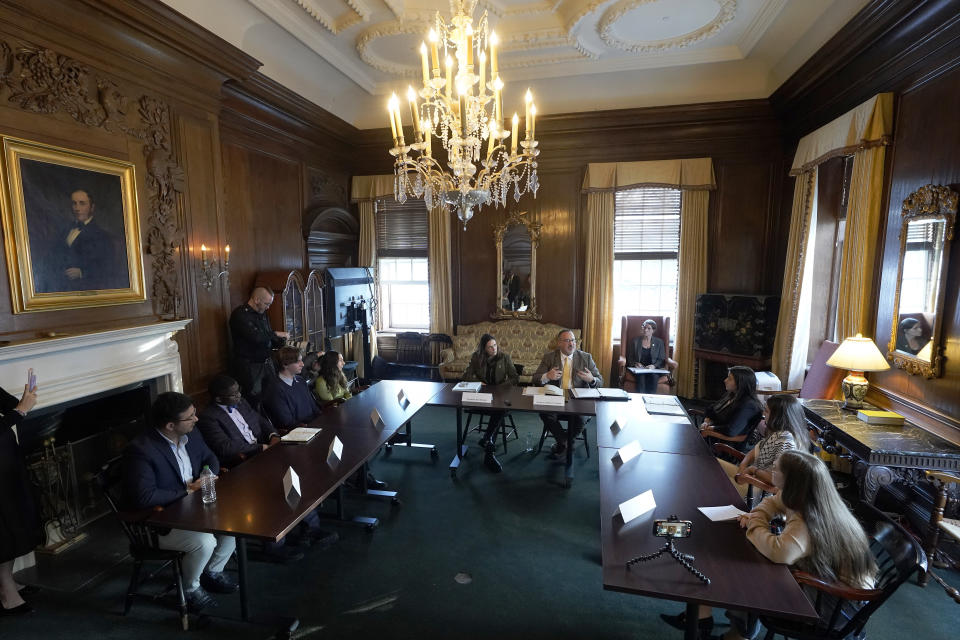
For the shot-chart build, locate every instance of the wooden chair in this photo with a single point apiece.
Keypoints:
(844, 610)
(938, 526)
(143, 545)
(507, 426)
(632, 327)
(582, 436)
(751, 481)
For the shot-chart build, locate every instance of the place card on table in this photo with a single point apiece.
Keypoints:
(618, 424)
(375, 418)
(636, 507)
(477, 398)
(627, 452)
(335, 454)
(403, 399)
(548, 401)
(291, 487)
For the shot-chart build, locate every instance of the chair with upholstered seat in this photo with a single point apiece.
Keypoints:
(940, 526)
(844, 610)
(632, 327)
(143, 546)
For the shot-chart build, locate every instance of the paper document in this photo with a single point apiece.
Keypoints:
(533, 391)
(719, 514)
(552, 390)
(640, 371)
(636, 507)
(659, 399)
(548, 401)
(300, 434)
(612, 393)
(476, 398)
(468, 386)
(585, 393)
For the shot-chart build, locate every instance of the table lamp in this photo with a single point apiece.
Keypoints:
(858, 354)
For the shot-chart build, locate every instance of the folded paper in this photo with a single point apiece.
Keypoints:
(628, 452)
(636, 507)
(335, 454)
(291, 486)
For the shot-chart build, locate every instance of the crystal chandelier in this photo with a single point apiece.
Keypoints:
(462, 107)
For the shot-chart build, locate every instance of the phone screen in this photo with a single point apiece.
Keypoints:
(31, 380)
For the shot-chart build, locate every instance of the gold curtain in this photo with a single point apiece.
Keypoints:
(364, 191)
(857, 265)
(598, 278)
(692, 280)
(785, 355)
(441, 298)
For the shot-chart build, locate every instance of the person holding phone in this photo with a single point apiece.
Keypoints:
(20, 528)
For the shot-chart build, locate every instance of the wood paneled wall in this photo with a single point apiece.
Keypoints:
(245, 163)
(912, 49)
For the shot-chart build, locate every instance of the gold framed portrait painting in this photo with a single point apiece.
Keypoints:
(71, 229)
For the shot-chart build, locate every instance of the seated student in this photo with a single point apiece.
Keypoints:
(311, 367)
(567, 367)
(647, 352)
(786, 430)
(230, 426)
(819, 535)
(161, 466)
(491, 366)
(736, 414)
(286, 396)
(331, 384)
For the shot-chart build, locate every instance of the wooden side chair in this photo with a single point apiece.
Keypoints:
(507, 427)
(940, 526)
(143, 546)
(844, 610)
(752, 482)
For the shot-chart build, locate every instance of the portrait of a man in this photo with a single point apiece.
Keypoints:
(73, 218)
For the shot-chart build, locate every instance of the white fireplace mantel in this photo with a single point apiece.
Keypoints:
(72, 367)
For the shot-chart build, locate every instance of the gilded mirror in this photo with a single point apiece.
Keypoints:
(517, 239)
(928, 219)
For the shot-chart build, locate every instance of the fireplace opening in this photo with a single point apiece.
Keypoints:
(66, 445)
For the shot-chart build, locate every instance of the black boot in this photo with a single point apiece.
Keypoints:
(490, 460)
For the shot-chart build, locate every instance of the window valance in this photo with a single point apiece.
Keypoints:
(869, 125)
(371, 187)
(686, 174)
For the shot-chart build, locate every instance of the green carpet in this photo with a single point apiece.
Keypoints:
(508, 556)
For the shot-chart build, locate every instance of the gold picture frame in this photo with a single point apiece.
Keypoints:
(71, 228)
(528, 235)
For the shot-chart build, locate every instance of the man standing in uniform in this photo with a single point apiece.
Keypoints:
(253, 341)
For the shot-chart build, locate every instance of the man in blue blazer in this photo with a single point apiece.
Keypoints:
(230, 426)
(566, 367)
(161, 466)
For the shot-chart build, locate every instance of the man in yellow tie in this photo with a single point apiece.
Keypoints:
(569, 367)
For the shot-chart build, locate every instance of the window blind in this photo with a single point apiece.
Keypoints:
(922, 235)
(646, 223)
(402, 229)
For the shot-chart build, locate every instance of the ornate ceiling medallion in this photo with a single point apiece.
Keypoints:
(728, 9)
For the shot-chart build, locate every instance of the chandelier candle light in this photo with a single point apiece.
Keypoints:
(462, 107)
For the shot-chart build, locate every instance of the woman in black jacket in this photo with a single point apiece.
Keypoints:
(734, 417)
(491, 366)
(20, 529)
(647, 352)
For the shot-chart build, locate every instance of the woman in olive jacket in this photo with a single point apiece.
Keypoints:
(491, 367)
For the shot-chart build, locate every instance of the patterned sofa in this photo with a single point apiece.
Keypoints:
(525, 340)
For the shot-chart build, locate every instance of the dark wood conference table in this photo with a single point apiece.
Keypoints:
(682, 473)
(654, 432)
(250, 498)
(508, 398)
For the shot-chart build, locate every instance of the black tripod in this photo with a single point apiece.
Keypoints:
(685, 560)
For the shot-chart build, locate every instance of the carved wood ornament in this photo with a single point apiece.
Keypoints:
(40, 80)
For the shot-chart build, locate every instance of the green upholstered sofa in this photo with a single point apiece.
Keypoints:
(525, 340)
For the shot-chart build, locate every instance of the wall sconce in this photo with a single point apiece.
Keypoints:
(210, 270)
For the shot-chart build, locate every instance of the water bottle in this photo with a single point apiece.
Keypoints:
(208, 485)
(527, 443)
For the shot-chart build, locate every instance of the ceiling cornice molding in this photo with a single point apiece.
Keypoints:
(761, 22)
(908, 37)
(285, 15)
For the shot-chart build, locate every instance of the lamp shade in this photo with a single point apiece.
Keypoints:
(858, 354)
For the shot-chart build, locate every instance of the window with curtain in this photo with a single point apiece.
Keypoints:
(402, 243)
(646, 248)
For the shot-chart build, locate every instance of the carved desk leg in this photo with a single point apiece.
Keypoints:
(933, 535)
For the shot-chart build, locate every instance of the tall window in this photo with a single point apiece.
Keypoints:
(646, 247)
(404, 291)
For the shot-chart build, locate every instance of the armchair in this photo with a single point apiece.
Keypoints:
(632, 327)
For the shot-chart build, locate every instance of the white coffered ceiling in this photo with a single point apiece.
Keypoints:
(577, 55)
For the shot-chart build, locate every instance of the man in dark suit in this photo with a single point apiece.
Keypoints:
(230, 426)
(235, 432)
(87, 253)
(253, 342)
(161, 466)
(566, 367)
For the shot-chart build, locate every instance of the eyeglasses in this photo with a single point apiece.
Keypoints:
(189, 418)
(568, 339)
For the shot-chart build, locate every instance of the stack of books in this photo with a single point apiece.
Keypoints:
(880, 417)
